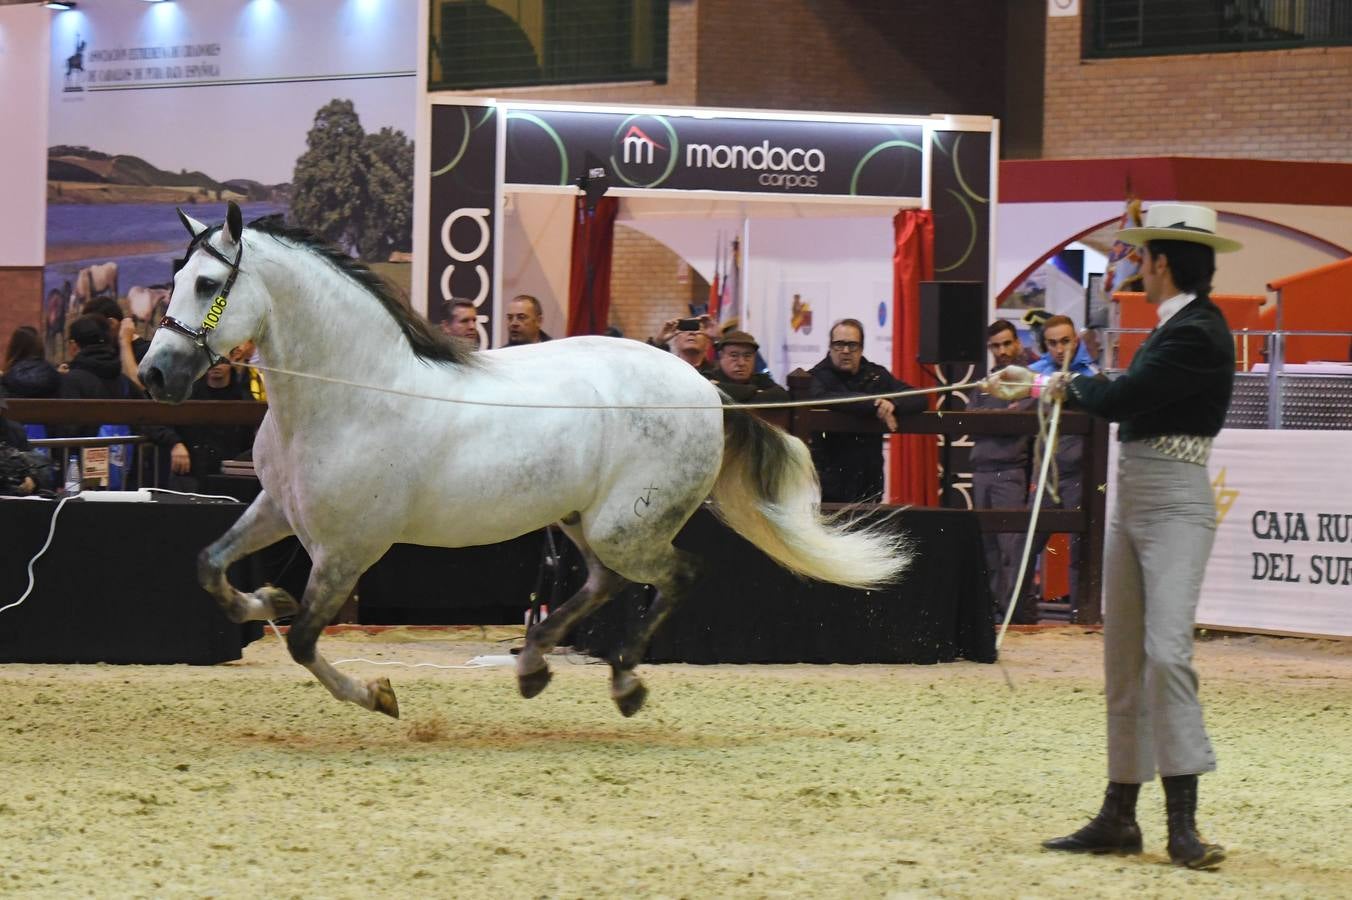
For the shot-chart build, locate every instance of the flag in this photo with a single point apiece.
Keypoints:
(730, 303)
(715, 283)
(1123, 272)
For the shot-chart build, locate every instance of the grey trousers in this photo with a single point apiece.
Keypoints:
(1163, 526)
(1007, 489)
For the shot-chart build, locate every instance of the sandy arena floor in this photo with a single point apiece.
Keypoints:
(248, 780)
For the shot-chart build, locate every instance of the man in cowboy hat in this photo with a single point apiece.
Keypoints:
(1171, 403)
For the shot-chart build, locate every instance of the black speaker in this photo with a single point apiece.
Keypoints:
(952, 322)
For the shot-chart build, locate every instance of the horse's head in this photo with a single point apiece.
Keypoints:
(212, 309)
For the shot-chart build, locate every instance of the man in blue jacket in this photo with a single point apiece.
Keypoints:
(1060, 342)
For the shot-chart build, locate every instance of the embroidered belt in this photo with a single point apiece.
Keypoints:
(1191, 448)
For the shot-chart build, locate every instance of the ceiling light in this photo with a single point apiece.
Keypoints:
(60, 4)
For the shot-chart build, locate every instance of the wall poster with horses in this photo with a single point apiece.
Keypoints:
(196, 105)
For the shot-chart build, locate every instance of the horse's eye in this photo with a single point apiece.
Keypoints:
(207, 285)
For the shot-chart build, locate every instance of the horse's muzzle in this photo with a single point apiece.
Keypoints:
(160, 388)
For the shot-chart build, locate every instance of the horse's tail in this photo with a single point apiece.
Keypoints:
(767, 491)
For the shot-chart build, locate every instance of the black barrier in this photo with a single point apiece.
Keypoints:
(117, 585)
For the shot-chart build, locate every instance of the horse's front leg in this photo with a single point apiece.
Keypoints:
(261, 525)
(332, 578)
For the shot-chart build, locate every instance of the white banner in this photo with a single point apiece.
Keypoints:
(1283, 554)
(1282, 561)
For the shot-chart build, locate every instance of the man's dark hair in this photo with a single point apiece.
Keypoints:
(1000, 325)
(1191, 264)
(103, 306)
(853, 323)
(448, 307)
(89, 330)
(535, 304)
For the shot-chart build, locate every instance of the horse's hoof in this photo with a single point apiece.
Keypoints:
(632, 702)
(382, 695)
(532, 683)
(279, 600)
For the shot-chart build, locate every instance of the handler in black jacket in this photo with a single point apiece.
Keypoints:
(849, 464)
(1171, 403)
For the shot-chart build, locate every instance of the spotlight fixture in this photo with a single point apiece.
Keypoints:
(60, 4)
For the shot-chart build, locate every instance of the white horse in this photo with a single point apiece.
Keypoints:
(351, 471)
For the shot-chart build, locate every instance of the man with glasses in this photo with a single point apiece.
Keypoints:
(737, 375)
(1065, 351)
(850, 464)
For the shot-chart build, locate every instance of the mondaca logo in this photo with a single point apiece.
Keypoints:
(644, 150)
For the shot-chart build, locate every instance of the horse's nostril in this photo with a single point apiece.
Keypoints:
(153, 379)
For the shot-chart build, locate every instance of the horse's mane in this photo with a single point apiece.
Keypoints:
(427, 342)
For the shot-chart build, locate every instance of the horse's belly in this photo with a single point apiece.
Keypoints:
(473, 524)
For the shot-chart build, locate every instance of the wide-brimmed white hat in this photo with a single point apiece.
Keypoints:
(1179, 222)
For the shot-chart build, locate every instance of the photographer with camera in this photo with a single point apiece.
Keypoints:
(690, 339)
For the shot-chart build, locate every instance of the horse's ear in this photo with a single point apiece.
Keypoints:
(194, 227)
(234, 222)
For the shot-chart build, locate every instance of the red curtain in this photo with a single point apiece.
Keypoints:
(913, 461)
(589, 279)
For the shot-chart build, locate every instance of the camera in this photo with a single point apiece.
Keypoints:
(688, 324)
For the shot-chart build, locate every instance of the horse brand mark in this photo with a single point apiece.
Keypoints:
(479, 216)
(646, 500)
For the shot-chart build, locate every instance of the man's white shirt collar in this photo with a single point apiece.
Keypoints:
(1173, 305)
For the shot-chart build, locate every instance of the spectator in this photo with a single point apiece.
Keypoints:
(1000, 479)
(122, 333)
(523, 321)
(22, 471)
(460, 320)
(95, 372)
(737, 375)
(1061, 343)
(209, 445)
(27, 372)
(850, 464)
(690, 343)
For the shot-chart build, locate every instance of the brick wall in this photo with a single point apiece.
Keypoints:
(917, 57)
(647, 284)
(20, 301)
(1266, 104)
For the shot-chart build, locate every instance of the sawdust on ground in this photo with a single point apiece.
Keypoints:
(248, 780)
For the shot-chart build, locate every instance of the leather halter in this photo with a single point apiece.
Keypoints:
(199, 335)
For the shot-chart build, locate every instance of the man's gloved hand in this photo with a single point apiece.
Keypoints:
(1055, 386)
(1010, 383)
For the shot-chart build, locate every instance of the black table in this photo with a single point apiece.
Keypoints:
(746, 609)
(117, 585)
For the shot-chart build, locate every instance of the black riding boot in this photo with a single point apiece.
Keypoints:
(1113, 830)
(1186, 847)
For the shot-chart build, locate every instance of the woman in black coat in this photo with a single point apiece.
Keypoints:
(27, 372)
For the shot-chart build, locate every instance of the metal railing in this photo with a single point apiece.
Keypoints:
(1274, 357)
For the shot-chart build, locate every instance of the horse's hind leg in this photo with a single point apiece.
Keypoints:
(331, 582)
(532, 671)
(261, 525)
(673, 581)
